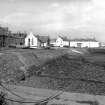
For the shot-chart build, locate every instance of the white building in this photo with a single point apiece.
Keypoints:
(34, 41)
(84, 43)
(62, 41)
(31, 40)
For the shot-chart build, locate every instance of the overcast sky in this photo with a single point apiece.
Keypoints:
(75, 18)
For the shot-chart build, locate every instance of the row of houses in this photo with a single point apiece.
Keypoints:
(10, 39)
(64, 42)
(7, 38)
(34, 41)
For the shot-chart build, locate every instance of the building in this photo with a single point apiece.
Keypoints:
(44, 41)
(4, 37)
(90, 43)
(17, 39)
(31, 40)
(34, 41)
(102, 44)
(62, 42)
(53, 42)
(9, 39)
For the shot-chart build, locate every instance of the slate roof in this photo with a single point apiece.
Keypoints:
(43, 39)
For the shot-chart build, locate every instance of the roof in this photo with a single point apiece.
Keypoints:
(43, 39)
(18, 35)
(84, 40)
(64, 38)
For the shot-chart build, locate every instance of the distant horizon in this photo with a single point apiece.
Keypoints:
(53, 37)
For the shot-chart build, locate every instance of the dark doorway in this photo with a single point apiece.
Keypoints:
(29, 42)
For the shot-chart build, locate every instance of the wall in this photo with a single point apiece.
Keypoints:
(66, 43)
(33, 41)
(84, 44)
(59, 42)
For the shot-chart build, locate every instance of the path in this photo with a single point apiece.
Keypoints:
(67, 98)
(76, 51)
(22, 60)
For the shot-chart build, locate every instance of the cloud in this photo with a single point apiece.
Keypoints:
(15, 18)
(54, 5)
(59, 15)
(12, 0)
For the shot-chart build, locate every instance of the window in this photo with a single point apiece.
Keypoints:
(21, 43)
(28, 42)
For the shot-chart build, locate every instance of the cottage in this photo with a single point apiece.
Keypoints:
(62, 42)
(34, 41)
(91, 43)
(31, 40)
(44, 41)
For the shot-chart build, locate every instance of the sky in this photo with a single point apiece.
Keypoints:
(72, 18)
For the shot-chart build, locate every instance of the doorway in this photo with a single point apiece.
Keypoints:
(29, 42)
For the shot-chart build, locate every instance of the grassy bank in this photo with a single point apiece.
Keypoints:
(14, 62)
(55, 69)
(69, 73)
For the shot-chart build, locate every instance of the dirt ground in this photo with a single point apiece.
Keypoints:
(30, 94)
(13, 61)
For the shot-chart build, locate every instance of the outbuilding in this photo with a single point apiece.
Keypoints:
(90, 43)
(62, 41)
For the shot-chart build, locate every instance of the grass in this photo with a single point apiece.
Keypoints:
(14, 60)
(57, 68)
(79, 73)
(96, 50)
(70, 73)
